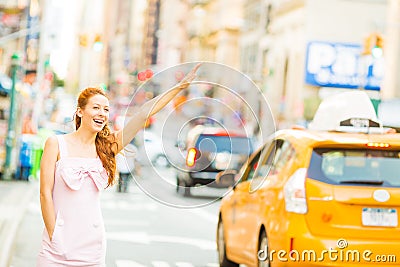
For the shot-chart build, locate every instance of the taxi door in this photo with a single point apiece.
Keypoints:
(265, 188)
(239, 207)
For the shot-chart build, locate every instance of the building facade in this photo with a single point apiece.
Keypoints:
(296, 23)
(391, 82)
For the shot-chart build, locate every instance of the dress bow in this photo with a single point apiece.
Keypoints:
(75, 176)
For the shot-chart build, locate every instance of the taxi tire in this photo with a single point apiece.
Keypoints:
(263, 245)
(223, 261)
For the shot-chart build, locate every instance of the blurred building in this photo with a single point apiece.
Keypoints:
(292, 25)
(391, 83)
(173, 36)
(214, 31)
(90, 38)
(130, 37)
(268, 40)
(152, 26)
(12, 20)
(19, 27)
(117, 41)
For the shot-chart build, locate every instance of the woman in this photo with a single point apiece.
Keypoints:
(75, 167)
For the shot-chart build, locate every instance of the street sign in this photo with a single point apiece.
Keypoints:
(341, 65)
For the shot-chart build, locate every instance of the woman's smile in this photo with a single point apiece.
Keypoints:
(99, 122)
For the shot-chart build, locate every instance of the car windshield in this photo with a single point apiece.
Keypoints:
(230, 144)
(356, 167)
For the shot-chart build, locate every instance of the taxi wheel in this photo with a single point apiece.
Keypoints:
(223, 260)
(263, 251)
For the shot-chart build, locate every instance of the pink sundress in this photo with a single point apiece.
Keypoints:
(79, 235)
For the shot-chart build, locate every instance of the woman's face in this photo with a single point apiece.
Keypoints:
(95, 114)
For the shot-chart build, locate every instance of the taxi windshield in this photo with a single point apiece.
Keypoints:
(356, 167)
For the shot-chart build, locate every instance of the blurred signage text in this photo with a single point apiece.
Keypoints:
(342, 65)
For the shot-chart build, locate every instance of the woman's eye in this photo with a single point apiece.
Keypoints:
(96, 107)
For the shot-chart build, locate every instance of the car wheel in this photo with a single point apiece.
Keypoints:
(221, 247)
(161, 161)
(263, 251)
(186, 193)
(180, 184)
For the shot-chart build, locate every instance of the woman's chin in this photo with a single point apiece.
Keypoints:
(96, 129)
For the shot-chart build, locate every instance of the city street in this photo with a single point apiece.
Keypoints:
(143, 229)
(289, 105)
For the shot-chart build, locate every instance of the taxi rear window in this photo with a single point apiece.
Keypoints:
(231, 144)
(356, 167)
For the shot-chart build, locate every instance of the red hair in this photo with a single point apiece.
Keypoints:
(106, 146)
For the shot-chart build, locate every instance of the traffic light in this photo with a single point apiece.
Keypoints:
(379, 41)
(377, 50)
(98, 43)
(368, 45)
(373, 45)
(83, 40)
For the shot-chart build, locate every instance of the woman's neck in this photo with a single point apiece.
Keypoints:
(84, 137)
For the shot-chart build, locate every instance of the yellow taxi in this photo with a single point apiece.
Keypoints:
(315, 197)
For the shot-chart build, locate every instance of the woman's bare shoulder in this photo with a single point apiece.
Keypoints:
(51, 146)
(68, 137)
(52, 140)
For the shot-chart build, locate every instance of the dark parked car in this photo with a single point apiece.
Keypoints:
(210, 150)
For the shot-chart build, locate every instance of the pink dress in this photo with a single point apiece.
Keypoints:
(79, 236)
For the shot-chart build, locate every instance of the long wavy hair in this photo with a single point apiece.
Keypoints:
(106, 145)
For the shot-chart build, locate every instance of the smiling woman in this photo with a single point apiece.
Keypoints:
(75, 167)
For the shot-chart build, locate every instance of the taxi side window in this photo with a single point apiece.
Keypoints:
(248, 172)
(266, 160)
(286, 153)
(278, 156)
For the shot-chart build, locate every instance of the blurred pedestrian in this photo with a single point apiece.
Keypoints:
(75, 167)
(25, 163)
(125, 166)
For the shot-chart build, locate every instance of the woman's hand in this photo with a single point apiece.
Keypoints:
(185, 82)
(151, 107)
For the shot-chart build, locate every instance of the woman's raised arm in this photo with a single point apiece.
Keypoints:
(151, 107)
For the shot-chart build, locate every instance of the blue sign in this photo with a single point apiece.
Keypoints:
(341, 65)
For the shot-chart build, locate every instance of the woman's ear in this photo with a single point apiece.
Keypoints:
(79, 112)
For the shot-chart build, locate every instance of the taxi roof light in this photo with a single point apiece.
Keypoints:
(353, 107)
(378, 145)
